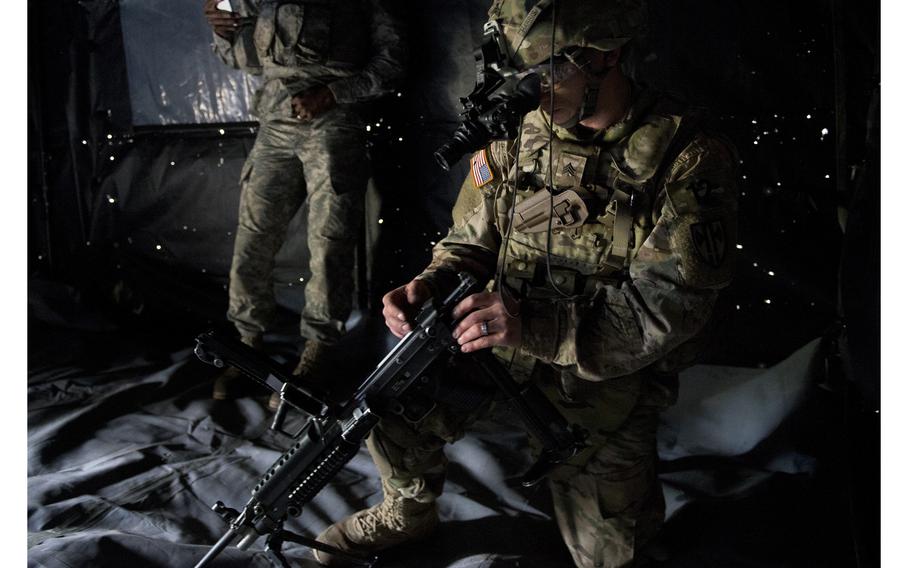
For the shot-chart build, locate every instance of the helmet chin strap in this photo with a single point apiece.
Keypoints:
(589, 100)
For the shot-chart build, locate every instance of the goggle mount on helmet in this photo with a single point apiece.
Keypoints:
(494, 109)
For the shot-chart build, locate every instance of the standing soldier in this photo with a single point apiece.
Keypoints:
(320, 61)
(602, 304)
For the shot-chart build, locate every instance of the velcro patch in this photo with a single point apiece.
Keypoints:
(480, 169)
(570, 169)
(710, 241)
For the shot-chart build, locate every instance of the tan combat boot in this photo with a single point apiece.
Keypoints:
(231, 383)
(313, 366)
(395, 521)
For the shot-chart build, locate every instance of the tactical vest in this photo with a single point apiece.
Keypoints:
(618, 178)
(617, 181)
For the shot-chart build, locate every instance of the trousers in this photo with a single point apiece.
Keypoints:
(323, 163)
(607, 500)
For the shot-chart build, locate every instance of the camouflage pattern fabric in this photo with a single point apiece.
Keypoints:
(607, 500)
(611, 506)
(294, 46)
(640, 279)
(679, 251)
(603, 25)
(293, 162)
(410, 457)
(354, 47)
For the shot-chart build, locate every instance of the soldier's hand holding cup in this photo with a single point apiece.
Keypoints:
(224, 22)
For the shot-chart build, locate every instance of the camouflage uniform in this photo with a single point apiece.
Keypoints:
(296, 46)
(641, 275)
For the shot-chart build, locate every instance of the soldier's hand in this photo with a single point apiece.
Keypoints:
(488, 320)
(311, 103)
(401, 303)
(223, 23)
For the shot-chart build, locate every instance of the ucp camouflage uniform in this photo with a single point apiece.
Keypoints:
(353, 47)
(641, 274)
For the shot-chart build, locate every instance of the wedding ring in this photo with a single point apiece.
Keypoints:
(484, 329)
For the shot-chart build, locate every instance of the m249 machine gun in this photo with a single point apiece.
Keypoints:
(332, 434)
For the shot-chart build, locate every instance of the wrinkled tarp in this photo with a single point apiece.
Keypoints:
(127, 453)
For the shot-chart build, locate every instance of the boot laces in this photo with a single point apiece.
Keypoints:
(386, 515)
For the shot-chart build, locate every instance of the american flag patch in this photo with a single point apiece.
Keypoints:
(480, 169)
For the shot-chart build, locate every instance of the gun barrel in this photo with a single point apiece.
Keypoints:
(222, 543)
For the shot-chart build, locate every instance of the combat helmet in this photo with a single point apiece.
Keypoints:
(529, 38)
(600, 24)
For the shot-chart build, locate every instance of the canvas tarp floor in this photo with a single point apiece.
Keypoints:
(127, 453)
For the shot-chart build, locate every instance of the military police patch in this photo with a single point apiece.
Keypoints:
(710, 241)
(480, 169)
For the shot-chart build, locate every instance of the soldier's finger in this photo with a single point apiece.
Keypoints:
(397, 327)
(469, 335)
(472, 326)
(473, 302)
(416, 292)
(404, 327)
(466, 324)
(219, 17)
(481, 343)
(394, 303)
(396, 331)
(389, 312)
(392, 312)
(223, 26)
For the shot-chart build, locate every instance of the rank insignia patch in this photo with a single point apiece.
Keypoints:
(480, 169)
(570, 169)
(710, 242)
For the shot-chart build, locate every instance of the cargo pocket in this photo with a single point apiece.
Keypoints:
(345, 152)
(264, 31)
(243, 215)
(595, 538)
(288, 24)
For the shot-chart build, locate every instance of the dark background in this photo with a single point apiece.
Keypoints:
(137, 222)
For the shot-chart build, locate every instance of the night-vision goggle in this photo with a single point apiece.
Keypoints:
(494, 58)
(502, 95)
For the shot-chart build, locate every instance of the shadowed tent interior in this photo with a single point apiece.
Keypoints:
(136, 140)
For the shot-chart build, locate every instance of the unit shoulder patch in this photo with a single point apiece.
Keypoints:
(710, 241)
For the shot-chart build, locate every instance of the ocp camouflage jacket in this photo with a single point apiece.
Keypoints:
(638, 280)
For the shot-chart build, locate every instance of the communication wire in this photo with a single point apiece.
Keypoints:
(550, 187)
(508, 236)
